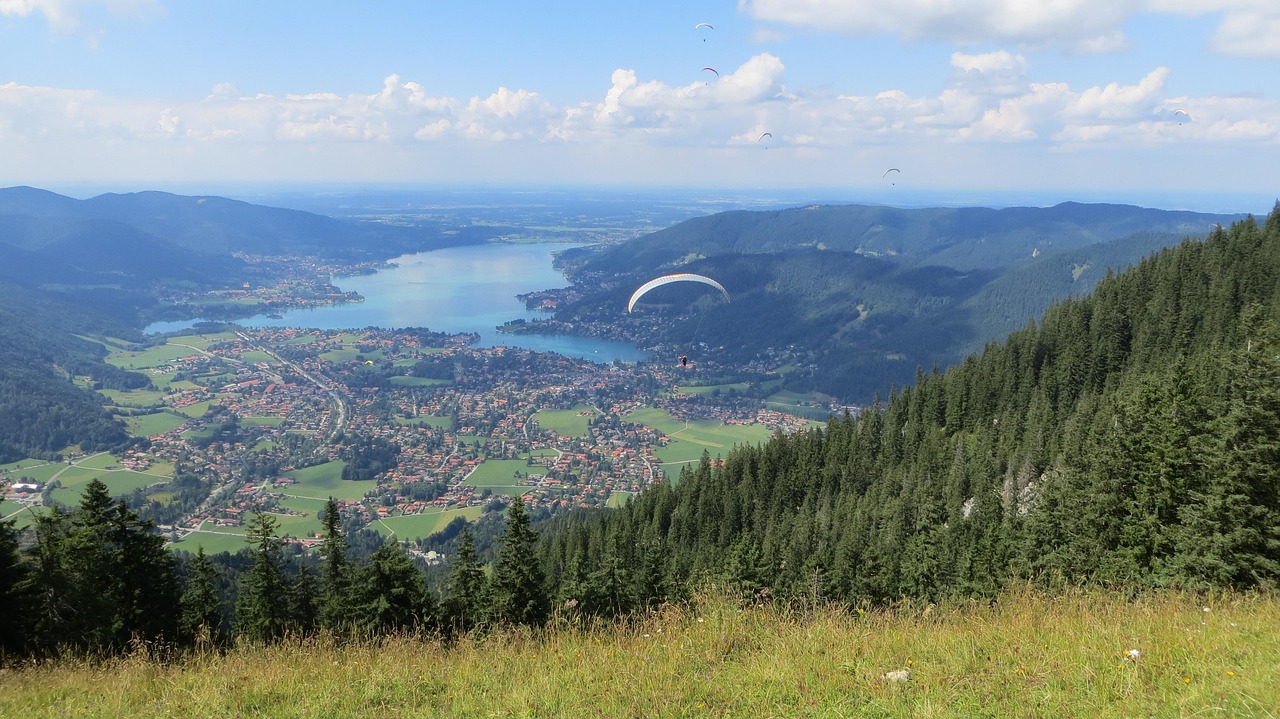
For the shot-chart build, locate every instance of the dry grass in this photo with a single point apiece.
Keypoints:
(1029, 655)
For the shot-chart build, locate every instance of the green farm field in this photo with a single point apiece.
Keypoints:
(417, 526)
(689, 440)
(325, 480)
(566, 422)
(409, 381)
(213, 543)
(152, 357)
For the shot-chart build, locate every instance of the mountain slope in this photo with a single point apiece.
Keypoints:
(1132, 438)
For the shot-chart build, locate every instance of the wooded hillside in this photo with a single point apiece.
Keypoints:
(1131, 438)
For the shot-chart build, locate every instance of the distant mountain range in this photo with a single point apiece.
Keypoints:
(871, 293)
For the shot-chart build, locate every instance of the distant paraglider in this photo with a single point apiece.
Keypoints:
(668, 279)
(886, 174)
(712, 70)
(702, 25)
(762, 136)
(1182, 115)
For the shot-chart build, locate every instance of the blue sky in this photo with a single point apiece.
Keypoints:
(1075, 97)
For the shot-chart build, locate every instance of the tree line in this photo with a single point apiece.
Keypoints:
(97, 580)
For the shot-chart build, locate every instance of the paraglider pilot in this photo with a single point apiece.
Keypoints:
(684, 360)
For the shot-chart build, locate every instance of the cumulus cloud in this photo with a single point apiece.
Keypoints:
(989, 103)
(64, 15)
(1087, 25)
(1247, 28)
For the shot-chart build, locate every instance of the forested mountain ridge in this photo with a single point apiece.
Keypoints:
(1131, 438)
(217, 226)
(864, 295)
(961, 238)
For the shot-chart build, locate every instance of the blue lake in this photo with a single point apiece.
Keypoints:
(458, 289)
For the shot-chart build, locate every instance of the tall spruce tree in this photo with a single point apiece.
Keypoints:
(202, 608)
(466, 599)
(262, 610)
(392, 596)
(14, 588)
(335, 573)
(519, 594)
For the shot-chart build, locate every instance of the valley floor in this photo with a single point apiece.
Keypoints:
(1083, 654)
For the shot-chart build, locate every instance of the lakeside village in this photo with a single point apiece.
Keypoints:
(393, 425)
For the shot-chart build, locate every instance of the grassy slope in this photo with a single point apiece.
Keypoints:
(1029, 655)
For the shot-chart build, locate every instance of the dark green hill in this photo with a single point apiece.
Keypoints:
(41, 409)
(1131, 439)
(961, 238)
(217, 226)
(864, 295)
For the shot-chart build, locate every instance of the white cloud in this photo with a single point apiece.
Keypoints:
(400, 126)
(1247, 28)
(64, 15)
(1086, 25)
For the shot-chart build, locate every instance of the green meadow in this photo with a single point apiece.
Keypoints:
(417, 526)
(497, 475)
(137, 398)
(152, 357)
(322, 481)
(567, 422)
(154, 424)
(690, 439)
(410, 381)
(1022, 655)
(212, 542)
(430, 420)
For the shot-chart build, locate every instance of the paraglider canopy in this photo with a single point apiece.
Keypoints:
(668, 279)
(712, 69)
(891, 169)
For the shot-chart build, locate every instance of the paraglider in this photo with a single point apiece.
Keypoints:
(684, 360)
(712, 69)
(762, 136)
(891, 169)
(1181, 115)
(668, 279)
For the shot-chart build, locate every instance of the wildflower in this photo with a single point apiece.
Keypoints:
(699, 620)
(1186, 680)
(910, 662)
(1133, 655)
(1230, 673)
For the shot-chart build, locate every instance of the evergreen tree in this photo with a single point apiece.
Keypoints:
(392, 595)
(466, 588)
(519, 596)
(14, 586)
(262, 610)
(335, 579)
(201, 605)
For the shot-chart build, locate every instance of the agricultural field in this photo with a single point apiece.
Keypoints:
(430, 420)
(417, 526)
(325, 480)
(689, 439)
(203, 342)
(408, 381)
(212, 543)
(261, 421)
(151, 357)
(567, 422)
(140, 398)
(498, 475)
